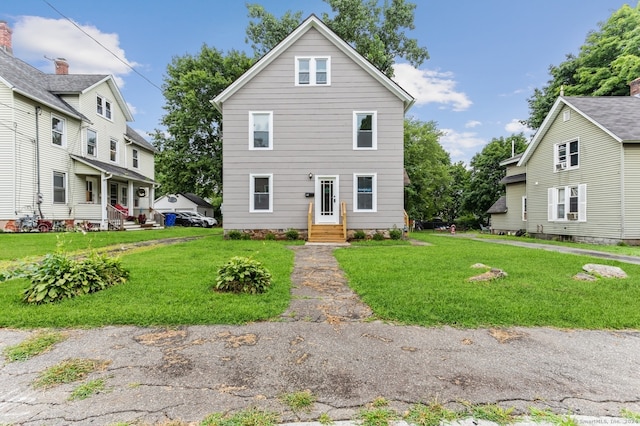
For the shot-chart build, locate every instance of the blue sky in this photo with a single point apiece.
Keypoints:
(486, 57)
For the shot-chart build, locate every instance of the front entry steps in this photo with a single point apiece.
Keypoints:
(326, 234)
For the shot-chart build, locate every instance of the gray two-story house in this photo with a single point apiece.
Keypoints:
(313, 141)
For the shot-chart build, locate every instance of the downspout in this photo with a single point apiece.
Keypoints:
(39, 194)
(622, 197)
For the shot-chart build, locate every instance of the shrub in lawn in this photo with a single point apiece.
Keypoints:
(243, 275)
(292, 234)
(395, 233)
(270, 236)
(59, 276)
(359, 235)
(378, 236)
(234, 235)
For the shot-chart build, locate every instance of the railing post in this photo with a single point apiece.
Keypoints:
(309, 221)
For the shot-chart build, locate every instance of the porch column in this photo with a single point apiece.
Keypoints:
(130, 195)
(104, 200)
(152, 195)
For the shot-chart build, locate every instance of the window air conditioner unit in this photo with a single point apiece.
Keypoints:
(561, 166)
(572, 216)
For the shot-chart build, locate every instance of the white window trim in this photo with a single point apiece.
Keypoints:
(117, 150)
(64, 186)
(135, 158)
(374, 131)
(252, 177)
(86, 145)
(552, 203)
(374, 191)
(103, 103)
(63, 137)
(557, 167)
(312, 70)
(251, 123)
(94, 185)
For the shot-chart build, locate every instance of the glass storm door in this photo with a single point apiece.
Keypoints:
(327, 200)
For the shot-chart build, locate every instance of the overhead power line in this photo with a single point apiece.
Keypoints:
(102, 45)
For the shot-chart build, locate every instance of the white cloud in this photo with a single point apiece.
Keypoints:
(35, 37)
(461, 146)
(428, 86)
(515, 126)
(472, 123)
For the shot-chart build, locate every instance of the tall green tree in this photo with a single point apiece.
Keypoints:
(484, 185)
(189, 157)
(460, 181)
(427, 165)
(377, 32)
(608, 60)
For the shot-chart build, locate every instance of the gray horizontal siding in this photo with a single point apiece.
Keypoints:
(312, 134)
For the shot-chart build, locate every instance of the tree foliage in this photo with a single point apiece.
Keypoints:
(377, 32)
(459, 184)
(607, 62)
(189, 157)
(484, 185)
(427, 165)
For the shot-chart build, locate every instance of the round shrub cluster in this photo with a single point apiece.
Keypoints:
(243, 275)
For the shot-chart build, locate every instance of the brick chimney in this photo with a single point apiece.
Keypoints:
(5, 37)
(635, 87)
(62, 66)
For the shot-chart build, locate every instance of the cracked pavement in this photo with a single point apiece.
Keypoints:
(326, 344)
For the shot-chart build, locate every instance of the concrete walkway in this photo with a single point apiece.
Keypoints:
(326, 343)
(562, 249)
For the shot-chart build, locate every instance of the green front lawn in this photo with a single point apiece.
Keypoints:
(424, 285)
(168, 285)
(427, 285)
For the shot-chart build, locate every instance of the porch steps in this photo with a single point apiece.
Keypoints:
(132, 226)
(326, 234)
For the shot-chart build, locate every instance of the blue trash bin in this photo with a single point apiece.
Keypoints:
(170, 219)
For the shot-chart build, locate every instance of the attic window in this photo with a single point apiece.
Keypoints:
(103, 107)
(566, 115)
(313, 71)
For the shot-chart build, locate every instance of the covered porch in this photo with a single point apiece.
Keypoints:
(113, 195)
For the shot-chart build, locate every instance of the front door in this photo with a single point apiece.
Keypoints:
(327, 201)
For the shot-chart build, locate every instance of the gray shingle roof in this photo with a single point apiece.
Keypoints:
(522, 177)
(32, 83)
(136, 138)
(196, 199)
(72, 83)
(499, 206)
(618, 114)
(113, 169)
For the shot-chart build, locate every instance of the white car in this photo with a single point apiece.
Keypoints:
(209, 222)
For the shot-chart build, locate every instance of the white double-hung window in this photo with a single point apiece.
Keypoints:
(566, 155)
(567, 203)
(58, 131)
(313, 71)
(365, 130)
(260, 130)
(364, 192)
(261, 193)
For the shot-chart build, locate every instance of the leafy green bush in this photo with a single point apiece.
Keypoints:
(234, 235)
(359, 235)
(59, 277)
(270, 236)
(378, 236)
(395, 234)
(243, 275)
(292, 234)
